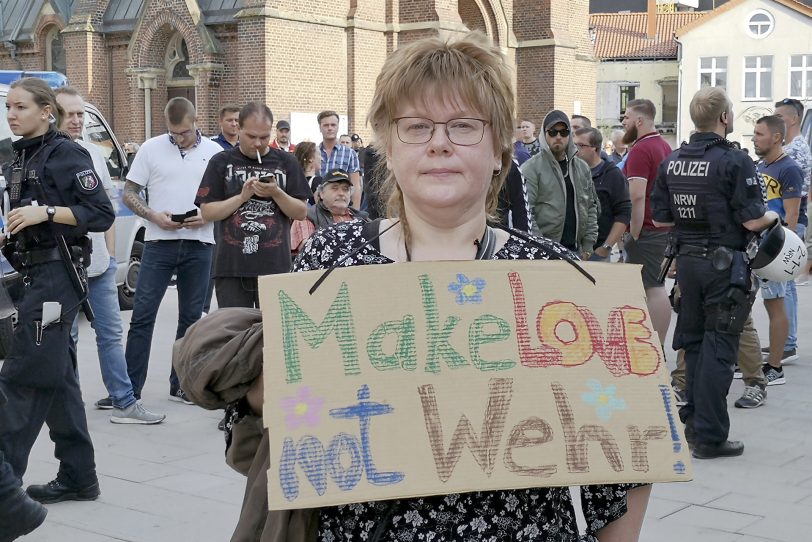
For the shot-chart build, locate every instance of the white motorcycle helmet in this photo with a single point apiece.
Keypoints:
(778, 254)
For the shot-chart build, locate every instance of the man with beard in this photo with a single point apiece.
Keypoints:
(251, 192)
(709, 192)
(784, 181)
(282, 139)
(560, 193)
(645, 243)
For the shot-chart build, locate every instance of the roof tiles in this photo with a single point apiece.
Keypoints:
(623, 35)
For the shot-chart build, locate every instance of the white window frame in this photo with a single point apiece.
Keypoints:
(806, 74)
(759, 71)
(752, 14)
(712, 71)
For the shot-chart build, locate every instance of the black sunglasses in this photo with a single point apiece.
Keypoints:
(563, 132)
(799, 107)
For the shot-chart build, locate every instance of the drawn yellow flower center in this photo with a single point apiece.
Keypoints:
(603, 398)
(469, 290)
(301, 408)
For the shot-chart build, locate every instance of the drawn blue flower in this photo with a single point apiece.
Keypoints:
(603, 399)
(467, 290)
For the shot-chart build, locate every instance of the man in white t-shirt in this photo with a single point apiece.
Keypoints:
(177, 239)
(102, 291)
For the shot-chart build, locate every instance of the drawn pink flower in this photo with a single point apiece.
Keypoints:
(301, 409)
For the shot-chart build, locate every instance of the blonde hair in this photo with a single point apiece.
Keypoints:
(470, 69)
(707, 106)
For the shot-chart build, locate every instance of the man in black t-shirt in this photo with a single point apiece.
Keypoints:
(252, 193)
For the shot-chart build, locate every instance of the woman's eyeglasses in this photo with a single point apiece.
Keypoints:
(419, 130)
(563, 132)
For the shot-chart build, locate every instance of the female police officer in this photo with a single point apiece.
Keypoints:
(53, 197)
(711, 194)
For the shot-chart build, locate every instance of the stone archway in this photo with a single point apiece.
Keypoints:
(147, 63)
(487, 16)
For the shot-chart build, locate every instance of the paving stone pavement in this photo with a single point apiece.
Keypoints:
(169, 482)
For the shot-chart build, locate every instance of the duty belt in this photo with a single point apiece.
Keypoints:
(30, 258)
(700, 251)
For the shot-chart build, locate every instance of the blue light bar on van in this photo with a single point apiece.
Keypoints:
(54, 79)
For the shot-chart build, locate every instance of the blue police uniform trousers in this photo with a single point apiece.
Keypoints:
(710, 356)
(41, 384)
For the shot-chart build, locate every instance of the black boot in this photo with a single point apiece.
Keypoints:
(729, 448)
(19, 515)
(58, 491)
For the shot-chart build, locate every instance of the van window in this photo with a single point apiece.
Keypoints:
(96, 133)
(6, 137)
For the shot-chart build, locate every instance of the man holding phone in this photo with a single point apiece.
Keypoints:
(252, 192)
(178, 240)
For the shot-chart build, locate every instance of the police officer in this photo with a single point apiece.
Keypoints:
(711, 194)
(53, 198)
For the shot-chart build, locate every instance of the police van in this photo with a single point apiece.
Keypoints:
(129, 227)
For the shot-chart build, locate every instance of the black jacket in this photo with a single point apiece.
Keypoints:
(613, 194)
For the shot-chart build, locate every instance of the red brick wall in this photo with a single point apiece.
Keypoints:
(310, 66)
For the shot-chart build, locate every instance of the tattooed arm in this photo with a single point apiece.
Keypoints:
(133, 200)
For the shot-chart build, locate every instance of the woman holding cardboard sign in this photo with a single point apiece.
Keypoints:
(442, 116)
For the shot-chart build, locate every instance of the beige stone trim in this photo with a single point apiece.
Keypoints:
(147, 77)
(196, 70)
(549, 42)
(336, 22)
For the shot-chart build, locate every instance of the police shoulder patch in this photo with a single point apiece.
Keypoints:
(87, 179)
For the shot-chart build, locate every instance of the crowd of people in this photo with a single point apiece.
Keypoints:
(448, 155)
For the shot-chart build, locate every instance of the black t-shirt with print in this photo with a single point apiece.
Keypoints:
(255, 240)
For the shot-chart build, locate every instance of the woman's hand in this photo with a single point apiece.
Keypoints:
(23, 217)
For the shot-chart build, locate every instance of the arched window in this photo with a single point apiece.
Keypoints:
(54, 51)
(177, 63)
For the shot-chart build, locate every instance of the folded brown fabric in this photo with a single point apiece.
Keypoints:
(220, 356)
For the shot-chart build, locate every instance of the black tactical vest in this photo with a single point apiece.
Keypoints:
(699, 196)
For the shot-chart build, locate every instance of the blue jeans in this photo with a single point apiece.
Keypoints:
(103, 297)
(791, 303)
(192, 262)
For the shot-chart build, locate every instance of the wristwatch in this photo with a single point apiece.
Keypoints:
(607, 247)
(51, 212)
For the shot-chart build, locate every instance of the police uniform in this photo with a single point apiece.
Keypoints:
(708, 190)
(39, 373)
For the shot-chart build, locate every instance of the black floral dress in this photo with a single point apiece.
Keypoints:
(536, 514)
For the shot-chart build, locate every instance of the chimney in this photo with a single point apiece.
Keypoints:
(651, 20)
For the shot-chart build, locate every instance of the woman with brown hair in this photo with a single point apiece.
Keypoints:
(310, 159)
(55, 198)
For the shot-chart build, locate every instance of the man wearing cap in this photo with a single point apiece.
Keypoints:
(332, 206)
(282, 139)
(337, 156)
(560, 192)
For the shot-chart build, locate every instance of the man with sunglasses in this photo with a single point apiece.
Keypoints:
(562, 198)
(791, 111)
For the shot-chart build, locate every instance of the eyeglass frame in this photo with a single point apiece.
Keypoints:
(586, 146)
(447, 133)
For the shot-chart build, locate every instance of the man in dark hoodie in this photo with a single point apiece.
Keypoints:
(612, 189)
(560, 192)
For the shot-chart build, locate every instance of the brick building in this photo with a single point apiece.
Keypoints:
(299, 56)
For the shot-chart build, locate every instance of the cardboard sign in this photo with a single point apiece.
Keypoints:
(432, 378)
